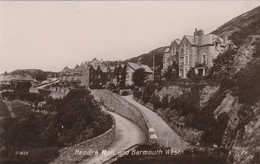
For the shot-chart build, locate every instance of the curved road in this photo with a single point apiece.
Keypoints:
(166, 136)
(127, 134)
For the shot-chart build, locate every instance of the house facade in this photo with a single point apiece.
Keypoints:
(18, 82)
(199, 51)
(170, 55)
(132, 67)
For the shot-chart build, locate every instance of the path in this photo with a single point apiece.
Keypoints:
(166, 136)
(7, 103)
(127, 134)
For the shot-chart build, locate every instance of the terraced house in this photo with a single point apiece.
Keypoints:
(198, 52)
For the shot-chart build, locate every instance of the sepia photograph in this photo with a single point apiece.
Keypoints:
(129, 82)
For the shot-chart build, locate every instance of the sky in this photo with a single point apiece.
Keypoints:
(50, 35)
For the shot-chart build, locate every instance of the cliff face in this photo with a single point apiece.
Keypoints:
(242, 134)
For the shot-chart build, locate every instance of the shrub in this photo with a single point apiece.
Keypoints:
(165, 101)
(156, 102)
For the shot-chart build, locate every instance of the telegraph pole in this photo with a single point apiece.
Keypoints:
(153, 69)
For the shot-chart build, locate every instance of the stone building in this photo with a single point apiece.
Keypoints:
(19, 82)
(170, 55)
(132, 67)
(198, 52)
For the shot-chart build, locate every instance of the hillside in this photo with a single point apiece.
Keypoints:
(148, 57)
(228, 114)
(240, 103)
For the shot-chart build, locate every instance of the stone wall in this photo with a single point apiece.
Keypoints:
(87, 148)
(188, 134)
(122, 107)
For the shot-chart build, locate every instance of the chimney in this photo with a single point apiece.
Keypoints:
(198, 36)
(139, 61)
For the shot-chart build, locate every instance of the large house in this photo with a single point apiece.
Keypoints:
(198, 52)
(170, 55)
(19, 82)
(132, 67)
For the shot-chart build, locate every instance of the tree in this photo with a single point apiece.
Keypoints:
(172, 71)
(40, 76)
(139, 77)
(224, 61)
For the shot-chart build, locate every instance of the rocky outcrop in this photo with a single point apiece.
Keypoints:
(206, 93)
(171, 91)
(242, 134)
(245, 53)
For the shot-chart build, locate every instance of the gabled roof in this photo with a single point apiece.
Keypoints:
(167, 50)
(178, 41)
(111, 67)
(103, 69)
(136, 66)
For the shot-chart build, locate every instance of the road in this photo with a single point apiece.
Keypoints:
(166, 136)
(127, 135)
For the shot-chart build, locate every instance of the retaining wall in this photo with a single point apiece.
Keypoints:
(187, 133)
(82, 150)
(124, 108)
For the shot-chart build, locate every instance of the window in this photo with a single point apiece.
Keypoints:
(186, 59)
(99, 76)
(181, 61)
(181, 72)
(187, 47)
(204, 59)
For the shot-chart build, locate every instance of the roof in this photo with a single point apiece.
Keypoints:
(25, 77)
(112, 67)
(136, 66)
(206, 39)
(103, 69)
(167, 49)
(178, 41)
(5, 77)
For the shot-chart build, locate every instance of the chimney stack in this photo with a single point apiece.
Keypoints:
(198, 36)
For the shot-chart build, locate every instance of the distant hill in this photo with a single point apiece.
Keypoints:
(148, 57)
(244, 31)
(35, 73)
(241, 27)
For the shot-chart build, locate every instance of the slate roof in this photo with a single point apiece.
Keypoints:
(206, 39)
(136, 66)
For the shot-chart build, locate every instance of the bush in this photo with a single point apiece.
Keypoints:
(155, 100)
(165, 101)
(137, 93)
